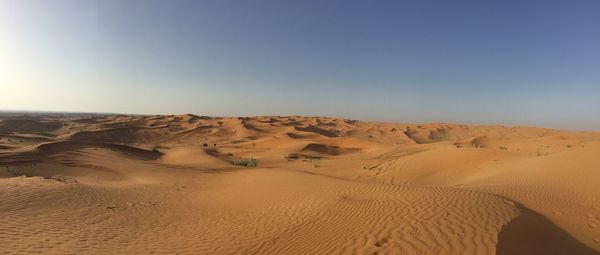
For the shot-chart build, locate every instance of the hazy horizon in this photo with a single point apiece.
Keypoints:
(533, 63)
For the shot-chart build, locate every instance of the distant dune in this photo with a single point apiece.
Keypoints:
(186, 184)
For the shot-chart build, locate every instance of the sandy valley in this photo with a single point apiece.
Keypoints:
(186, 184)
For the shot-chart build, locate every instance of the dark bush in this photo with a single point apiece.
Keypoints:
(252, 162)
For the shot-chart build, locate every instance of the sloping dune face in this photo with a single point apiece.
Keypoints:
(187, 184)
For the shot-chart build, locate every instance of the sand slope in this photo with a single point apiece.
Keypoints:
(167, 184)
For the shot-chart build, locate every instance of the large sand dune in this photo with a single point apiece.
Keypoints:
(173, 185)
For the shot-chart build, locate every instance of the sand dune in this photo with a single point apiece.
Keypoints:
(174, 185)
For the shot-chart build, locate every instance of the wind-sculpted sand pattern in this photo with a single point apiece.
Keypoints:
(337, 216)
(167, 185)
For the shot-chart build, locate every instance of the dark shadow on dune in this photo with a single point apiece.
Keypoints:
(57, 147)
(290, 123)
(328, 149)
(228, 158)
(45, 150)
(123, 135)
(12, 125)
(87, 120)
(253, 127)
(322, 148)
(299, 136)
(317, 130)
(531, 233)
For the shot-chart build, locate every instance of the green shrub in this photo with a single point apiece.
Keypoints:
(252, 162)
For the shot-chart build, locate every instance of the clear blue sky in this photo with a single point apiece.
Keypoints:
(508, 62)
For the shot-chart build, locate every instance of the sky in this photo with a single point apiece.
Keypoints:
(512, 62)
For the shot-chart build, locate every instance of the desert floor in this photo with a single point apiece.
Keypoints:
(106, 184)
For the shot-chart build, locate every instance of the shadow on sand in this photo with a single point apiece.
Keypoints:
(531, 233)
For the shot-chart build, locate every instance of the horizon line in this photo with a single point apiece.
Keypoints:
(301, 115)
